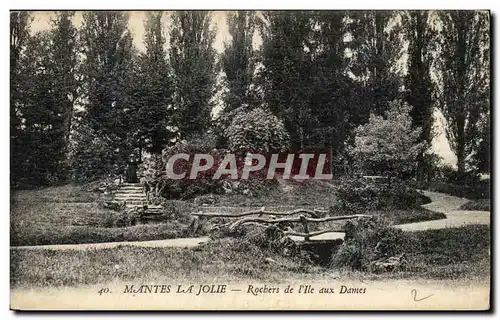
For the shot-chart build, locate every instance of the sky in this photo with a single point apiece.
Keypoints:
(41, 21)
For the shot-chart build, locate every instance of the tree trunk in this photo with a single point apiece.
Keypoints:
(461, 163)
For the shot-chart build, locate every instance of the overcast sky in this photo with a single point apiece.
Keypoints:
(136, 27)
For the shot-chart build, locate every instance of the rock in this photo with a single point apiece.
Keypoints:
(205, 200)
(389, 264)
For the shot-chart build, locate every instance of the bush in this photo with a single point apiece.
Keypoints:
(478, 205)
(368, 240)
(161, 186)
(93, 156)
(155, 174)
(267, 238)
(256, 130)
(356, 194)
(389, 145)
(178, 210)
(449, 174)
(481, 190)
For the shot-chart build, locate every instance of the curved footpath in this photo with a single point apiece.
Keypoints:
(449, 205)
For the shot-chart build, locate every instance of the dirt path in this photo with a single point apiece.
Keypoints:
(449, 205)
(446, 204)
(168, 243)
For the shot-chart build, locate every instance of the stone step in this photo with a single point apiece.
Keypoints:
(154, 206)
(129, 190)
(129, 193)
(137, 194)
(136, 203)
(127, 196)
(130, 199)
(151, 213)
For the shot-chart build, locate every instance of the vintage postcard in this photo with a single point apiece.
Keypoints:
(250, 160)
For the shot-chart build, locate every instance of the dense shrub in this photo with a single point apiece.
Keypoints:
(480, 190)
(477, 205)
(178, 210)
(357, 194)
(267, 238)
(368, 240)
(94, 156)
(389, 145)
(155, 173)
(256, 130)
(449, 174)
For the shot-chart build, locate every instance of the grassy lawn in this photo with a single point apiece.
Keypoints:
(455, 253)
(401, 216)
(479, 191)
(69, 214)
(65, 193)
(448, 253)
(477, 205)
(306, 193)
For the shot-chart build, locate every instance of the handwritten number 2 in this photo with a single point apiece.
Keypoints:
(414, 293)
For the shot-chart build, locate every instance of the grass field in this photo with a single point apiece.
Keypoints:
(457, 253)
(69, 214)
(305, 193)
(477, 205)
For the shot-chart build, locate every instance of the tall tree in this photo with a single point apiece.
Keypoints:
(153, 92)
(63, 52)
(238, 60)
(108, 88)
(19, 35)
(286, 76)
(375, 47)
(39, 139)
(419, 87)
(193, 61)
(45, 77)
(305, 77)
(331, 98)
(464, 79)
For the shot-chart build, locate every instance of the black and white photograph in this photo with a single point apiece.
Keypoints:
(250, 160)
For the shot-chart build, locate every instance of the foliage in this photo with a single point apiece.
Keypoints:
(388, 146)
(152, 99)
(418, 87)
(44, 88)
(464, 78)
(19, 36)
(479, 190)
(367, 240)
(108, 85)
(93, 156)
(375, 49)
(359, 195)
(477, 205)
(155, 172)
(256, 130)
(238, 61)
(303, 79)
(192, 58)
